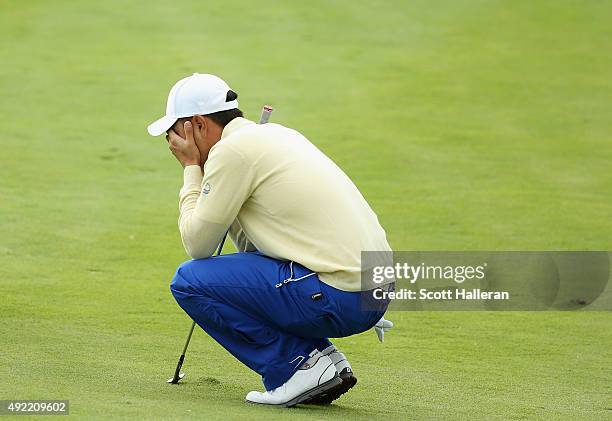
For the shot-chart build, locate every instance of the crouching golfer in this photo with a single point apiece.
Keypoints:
(299, 224)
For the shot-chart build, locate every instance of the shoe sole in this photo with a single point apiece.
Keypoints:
(326, 398)
(309, 394)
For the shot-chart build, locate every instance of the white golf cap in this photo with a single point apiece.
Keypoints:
(198, 94)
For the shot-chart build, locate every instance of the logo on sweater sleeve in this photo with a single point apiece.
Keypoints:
(206, 189)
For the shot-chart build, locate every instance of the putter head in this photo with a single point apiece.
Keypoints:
(175, 380)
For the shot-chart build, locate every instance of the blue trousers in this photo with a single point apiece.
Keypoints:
(269, 314)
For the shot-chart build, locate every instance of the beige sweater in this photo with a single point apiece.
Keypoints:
(279, 194)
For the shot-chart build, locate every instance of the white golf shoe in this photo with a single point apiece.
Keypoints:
(314, 377)
(345, 372)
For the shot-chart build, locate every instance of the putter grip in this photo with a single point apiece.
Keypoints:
(265, 114)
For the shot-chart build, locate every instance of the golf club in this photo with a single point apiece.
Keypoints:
(265, 116)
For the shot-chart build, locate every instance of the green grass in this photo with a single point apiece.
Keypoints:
(468, 125)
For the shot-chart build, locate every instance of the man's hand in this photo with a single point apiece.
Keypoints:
(185, 150)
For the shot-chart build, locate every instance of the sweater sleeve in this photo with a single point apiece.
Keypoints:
(210, 202)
